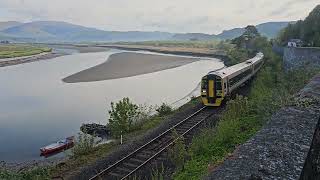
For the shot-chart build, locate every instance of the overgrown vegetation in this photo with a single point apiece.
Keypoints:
(10, 51)
(32, 174)
(244, 116)
(308, 30)
(164, 109)
(84, 145)
(178, 153)
(158, 173)
(147, 121)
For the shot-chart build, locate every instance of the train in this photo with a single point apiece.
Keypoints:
(217, 85)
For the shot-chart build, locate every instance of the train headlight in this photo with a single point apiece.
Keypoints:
(204, 91)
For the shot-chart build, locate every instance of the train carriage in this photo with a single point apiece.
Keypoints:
(215, 86)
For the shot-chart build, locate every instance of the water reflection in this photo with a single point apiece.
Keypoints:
(37, 108)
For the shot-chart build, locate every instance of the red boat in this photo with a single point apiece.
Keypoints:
(58, 146)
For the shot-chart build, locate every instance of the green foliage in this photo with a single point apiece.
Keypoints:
(307, 30)
(10, 51)
(178, 153)
(158, 173)
(164, 110)
(84, 146)
(33, 174)
(122, 116)
(236, 56)
(247, 37)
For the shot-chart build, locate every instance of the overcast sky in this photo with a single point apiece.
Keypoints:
(208, 16)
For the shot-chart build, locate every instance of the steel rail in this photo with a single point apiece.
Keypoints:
(98, 175)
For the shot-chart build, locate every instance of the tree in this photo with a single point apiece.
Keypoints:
(178, 153)
(245, 40)
(307, 30)
(164, 109)
(251, 31)
(122, 115)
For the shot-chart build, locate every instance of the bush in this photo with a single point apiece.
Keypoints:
(85, 145)
(33, 174)
(122, 116)
(164, 110)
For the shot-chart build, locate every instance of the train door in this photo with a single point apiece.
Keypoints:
(211, 90)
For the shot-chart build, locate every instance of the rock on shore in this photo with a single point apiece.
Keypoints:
(96, 130)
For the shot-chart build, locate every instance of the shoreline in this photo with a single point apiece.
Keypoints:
(128, 64)
(28, 59)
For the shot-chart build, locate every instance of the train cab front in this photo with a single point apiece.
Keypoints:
(211, 90)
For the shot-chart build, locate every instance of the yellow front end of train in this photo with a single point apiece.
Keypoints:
(212, 90)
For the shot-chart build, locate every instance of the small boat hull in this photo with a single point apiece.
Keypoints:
(57, 147)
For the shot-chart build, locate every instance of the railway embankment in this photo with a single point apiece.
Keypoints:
(287, 147)
(131, 144)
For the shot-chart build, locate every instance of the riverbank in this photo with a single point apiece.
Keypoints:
(28, 59)
(16, 57)
(128, 64)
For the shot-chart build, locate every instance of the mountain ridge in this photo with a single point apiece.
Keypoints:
(59, 31)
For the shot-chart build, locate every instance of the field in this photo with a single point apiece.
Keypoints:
(15, 50)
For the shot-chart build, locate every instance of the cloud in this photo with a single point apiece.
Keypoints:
(210, 16)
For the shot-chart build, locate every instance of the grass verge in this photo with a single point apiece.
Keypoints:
(10, 51)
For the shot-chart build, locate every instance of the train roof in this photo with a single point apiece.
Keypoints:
(238, 67)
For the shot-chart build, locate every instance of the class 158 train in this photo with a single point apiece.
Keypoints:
(218, 85)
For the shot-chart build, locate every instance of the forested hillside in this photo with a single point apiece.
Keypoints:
(307, 30)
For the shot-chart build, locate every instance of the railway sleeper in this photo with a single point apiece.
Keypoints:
(161, 144)
(131, 165)
(115, 174)
(188, 125)
(136, 160)
(126, 170)
(185, 128)
(148, 152)
(143, 156)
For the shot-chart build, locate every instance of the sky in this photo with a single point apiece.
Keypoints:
(206, 16)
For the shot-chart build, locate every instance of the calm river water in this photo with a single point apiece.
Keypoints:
(37, 108)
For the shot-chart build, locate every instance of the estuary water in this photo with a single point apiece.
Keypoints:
(37, 108)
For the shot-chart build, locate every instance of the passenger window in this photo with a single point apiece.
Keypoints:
(219, 85)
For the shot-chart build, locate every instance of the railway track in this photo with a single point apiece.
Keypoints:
(129, 165)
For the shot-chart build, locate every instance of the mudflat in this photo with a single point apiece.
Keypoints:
(128, 64)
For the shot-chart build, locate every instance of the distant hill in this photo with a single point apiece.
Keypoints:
(231, 34)
(272, 29)
(67, 32)
(193, 36)
(269, 29)
(8, 24)
(55, 31)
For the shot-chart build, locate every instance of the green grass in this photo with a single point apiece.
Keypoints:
(244, 116)
(33, 174)
(10, 51)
